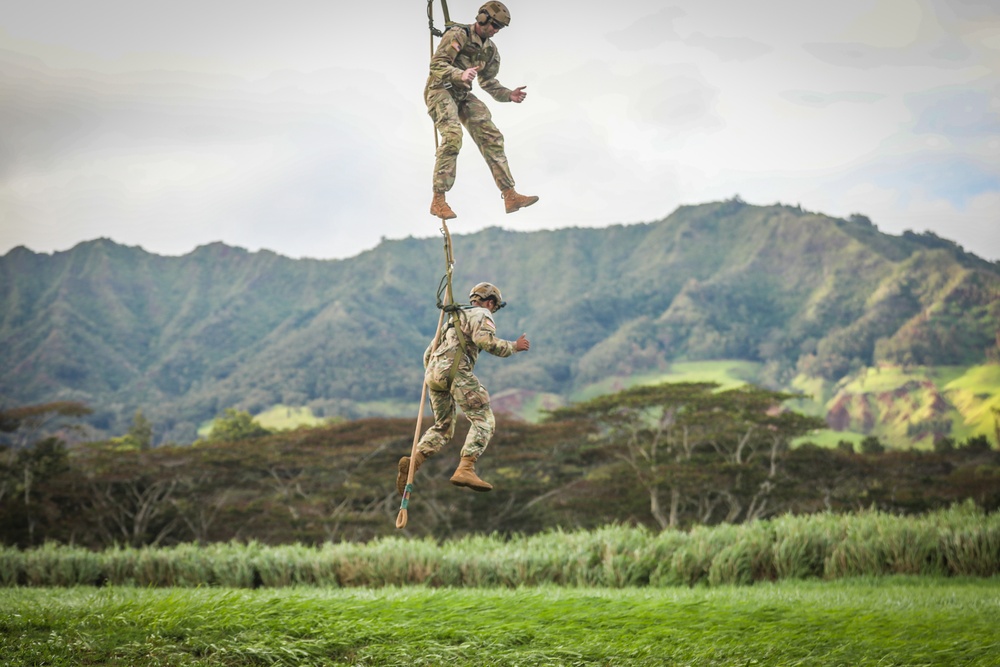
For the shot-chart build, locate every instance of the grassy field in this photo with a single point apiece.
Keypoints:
(886, 622)
(276, 418)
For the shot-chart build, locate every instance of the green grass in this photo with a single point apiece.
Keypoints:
(727, 372)
(883, 379)
(890, 622)
(900, 398)
(830, 438)
(975, 393)
(284, 417)
(817, 392)
(276, 418)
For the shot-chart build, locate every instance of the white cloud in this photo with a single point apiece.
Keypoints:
(647, 32)
(301, 128)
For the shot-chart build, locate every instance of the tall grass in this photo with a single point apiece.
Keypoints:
(962, 541)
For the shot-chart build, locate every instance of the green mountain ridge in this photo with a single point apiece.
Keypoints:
(796, 294)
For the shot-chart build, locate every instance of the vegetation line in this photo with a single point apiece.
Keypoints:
(961, 541)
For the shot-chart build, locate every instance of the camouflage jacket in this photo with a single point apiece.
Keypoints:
(461, 48)
(480, 334)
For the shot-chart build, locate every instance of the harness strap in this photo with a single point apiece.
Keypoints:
(453, 372)
(444, 294)
(430, 18)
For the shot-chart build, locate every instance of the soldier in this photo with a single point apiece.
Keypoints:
(466, 52)
(448, 386)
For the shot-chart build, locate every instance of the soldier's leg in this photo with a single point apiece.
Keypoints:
(472, 397)
(443, 109)
(443, 429)
(433, 439)
(478, 121)
(475, 403)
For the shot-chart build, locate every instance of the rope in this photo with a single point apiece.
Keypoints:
(448, 305)
(430, 20)
(401, 518)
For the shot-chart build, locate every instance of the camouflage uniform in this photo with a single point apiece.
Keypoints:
(480, 334)
(451, 104)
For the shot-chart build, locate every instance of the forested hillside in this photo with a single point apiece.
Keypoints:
(810, 300)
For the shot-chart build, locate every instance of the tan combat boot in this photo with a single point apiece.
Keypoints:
(440, 208)
(404, 469)
(514, 201)
(465, 475)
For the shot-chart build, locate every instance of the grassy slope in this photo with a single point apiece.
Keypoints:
(908, 621)
(276, 418)
(970, 393)
(728, 373)
(962, 395)
(975, 394)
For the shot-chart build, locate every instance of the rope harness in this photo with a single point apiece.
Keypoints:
(456, 322)
(430, 21)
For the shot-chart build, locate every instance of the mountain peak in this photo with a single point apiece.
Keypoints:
(790, 292)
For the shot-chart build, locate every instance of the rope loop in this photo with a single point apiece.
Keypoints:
(430, 17)
(449, 307)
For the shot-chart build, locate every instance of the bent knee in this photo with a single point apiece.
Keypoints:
(451, 142)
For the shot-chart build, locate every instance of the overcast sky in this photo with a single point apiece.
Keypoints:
(300, 127)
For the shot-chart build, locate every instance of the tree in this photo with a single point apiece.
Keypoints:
(127, 494)
(749, 433)
(872, 445)
(139, 436)
(21, 426)
(996, 412)
(24, 480)
(32, 452)
(944, 444)
(697, 448)
(977, 443)
(642, 424)
(236, 425)
(845, 446)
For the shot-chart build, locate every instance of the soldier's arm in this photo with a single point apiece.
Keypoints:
(443, 62)
(484, 335)
(488, 79)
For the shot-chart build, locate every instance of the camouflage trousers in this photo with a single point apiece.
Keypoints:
(466, 393)
(449, 116)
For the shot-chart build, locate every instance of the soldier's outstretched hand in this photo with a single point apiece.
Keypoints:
(522, 344)
(518, 94)
(470, 74)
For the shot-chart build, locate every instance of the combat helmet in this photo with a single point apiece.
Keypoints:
(484, 291)
(495, 10)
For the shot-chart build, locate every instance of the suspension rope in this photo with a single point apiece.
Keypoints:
(430, 19)
(447, 304)
(401, 518)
